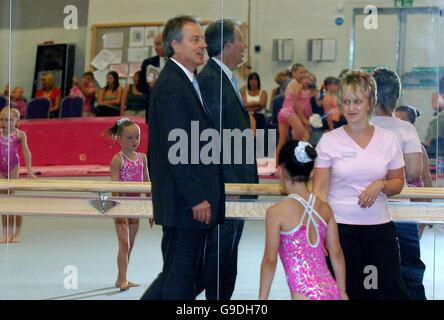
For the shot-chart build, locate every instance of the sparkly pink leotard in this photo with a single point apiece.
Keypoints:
(304, 263)
(306, 103)
(131, 171)
(287, 108)
(7, 162)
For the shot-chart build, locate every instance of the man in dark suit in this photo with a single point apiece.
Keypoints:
(188, 199)
(226, 50)
(150, 70)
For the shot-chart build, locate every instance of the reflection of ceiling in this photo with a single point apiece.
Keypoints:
(34, 14)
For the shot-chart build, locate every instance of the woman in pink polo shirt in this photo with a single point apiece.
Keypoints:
(358, 165)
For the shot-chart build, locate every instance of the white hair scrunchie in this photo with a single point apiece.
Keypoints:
(301, 154)
(122, 121)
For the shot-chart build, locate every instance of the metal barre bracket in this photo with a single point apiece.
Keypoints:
(103, 204)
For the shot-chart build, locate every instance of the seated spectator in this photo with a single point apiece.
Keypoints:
(49, 91)
(134, 101)
(255, 99)
(110, 97)
(85, 89)
(18, 101)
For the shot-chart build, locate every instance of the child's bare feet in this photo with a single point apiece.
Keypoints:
(15, 239)
(132, 285)
(123, 285)
(5, 240)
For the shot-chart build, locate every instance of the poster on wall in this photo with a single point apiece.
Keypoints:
(137, 35)
(150, 34)
(100, 77)
(113, 40)
(103, 59)
(117, 56)
(137, 54)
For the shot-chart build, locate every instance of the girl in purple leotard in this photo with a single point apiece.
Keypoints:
(300, 228)
(127, 165)
(11, 140)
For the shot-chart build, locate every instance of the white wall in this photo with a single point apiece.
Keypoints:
(303, 20)
(4, 39)
(24, 51)
(34, 22)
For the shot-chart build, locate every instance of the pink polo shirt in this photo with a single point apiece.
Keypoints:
(353, 169)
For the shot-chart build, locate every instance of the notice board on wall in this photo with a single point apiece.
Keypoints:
(122, 47)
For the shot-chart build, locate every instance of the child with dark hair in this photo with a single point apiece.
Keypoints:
(298, 228)
(127, 165)
(407, 113)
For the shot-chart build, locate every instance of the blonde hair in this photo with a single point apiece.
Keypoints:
(359, 81)
(8, 111)
(297, 66)
(281, 77)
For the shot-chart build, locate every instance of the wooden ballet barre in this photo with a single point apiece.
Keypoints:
(74, 186)
(145, 187)
(124, 187)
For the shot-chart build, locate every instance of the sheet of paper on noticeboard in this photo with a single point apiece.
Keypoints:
(113, 40)
(117, 56)
(100, 77)
(103, 59)
(150, 34)
(137, 37)
(137, 54)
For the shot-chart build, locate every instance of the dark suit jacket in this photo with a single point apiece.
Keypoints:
(177, 188)
(234, 116)
(143, 85)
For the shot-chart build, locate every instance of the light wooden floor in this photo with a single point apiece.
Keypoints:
(34, 269)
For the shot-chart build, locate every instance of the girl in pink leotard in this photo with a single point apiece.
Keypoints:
(11, 139)
(127, 165)
(291, 114)
(300, 228)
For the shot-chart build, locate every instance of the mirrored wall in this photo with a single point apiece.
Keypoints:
(51, 44)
